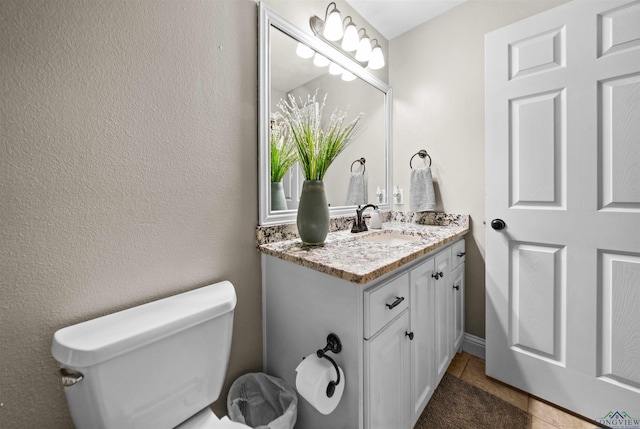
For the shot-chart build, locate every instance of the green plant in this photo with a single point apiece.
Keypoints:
(283, 150)
(317, 144)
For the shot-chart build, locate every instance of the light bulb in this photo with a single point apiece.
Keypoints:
(335, 69)
(377, 58)
(320, 60)
(333, 26)
(348, 76)
(364, 49)
(303, 51)
(350, 41)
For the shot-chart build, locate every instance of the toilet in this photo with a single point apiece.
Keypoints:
(158, 365)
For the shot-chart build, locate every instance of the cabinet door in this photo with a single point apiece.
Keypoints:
(457, 280)
(422, 306)
(387, 377)
(443, 311)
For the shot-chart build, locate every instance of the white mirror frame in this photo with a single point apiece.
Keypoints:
(267, 19)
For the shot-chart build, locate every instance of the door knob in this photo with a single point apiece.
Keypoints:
(498, 224)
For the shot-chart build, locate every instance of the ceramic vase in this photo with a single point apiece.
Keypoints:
(278, 200)
(313, 213)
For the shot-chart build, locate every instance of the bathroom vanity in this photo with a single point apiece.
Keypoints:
(394, 297)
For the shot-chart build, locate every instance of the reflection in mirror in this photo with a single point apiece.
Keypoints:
(283, 158)
(285, 73)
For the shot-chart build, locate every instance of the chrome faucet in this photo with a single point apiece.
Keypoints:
(358, 224)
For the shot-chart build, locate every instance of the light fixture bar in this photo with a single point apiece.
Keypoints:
(317, 26)
(331, 31)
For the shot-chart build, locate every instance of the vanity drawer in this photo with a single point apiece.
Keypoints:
(457, 253)
(383, 303)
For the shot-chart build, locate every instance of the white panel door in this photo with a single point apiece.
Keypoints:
(563, 186)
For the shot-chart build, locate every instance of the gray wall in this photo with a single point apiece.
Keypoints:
(127, 173)
(128, 147)
(437, 74)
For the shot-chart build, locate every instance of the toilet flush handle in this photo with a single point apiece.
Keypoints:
(70, 377)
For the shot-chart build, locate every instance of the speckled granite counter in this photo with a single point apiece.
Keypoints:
(346, 256)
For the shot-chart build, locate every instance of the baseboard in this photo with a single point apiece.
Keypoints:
(474, 345)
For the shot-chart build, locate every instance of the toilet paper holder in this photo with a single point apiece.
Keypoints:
(333, 345)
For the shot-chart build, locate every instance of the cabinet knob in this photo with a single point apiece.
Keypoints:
(410, 335)
(456, 287)
(436, 276)
(395, 303)
(461, 254)
(441, 274)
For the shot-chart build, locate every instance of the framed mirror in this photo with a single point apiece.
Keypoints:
(282, 72)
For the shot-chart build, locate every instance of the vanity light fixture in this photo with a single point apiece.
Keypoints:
(363, 54)
(348, 40)
(303, 51)
(335, 69)
(348, 76)
(377, 58)
(320, 60)
(333, 24)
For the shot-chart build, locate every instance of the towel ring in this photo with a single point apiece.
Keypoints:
(361, 161)
(422, 154)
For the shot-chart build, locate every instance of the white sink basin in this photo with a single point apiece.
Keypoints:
(390, 238)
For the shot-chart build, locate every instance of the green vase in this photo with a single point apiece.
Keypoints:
(313, 213)
(278, 200)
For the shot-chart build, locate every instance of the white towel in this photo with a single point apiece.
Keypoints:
(357, 191)
(422, 196)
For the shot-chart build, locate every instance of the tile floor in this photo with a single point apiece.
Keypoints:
(543, 415)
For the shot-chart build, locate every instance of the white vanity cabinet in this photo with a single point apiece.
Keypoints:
(387, 354)
(443, 312)
(422, 295)
(387, 376)
(437, 321)
(397, 335)
(457, 288)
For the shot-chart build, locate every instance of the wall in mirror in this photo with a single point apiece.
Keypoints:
(285, 73)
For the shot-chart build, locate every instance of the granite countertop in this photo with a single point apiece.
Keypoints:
(345, 255)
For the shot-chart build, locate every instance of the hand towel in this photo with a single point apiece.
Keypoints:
(422, 196)
(357, 190)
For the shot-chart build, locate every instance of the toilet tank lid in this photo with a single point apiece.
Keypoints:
(98, 340)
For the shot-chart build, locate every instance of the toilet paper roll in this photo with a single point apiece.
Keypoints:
(314, 375)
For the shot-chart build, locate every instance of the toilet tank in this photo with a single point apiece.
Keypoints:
(151, 366)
